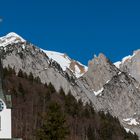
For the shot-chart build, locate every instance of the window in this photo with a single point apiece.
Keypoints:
(1, 105)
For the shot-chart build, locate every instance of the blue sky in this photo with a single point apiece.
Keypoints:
(80, 28)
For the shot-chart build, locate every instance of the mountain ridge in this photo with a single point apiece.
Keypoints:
(61, 58)
(102, 84)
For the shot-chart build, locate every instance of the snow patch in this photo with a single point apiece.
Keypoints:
(23, 47)
(98, 92)
(129, 57)
(131, 121)
(128, 130)
(59, 58)
(107, 81)
(126, 58)
(64, 61)
(119, 72)
(117, 64)
(78, 71)
(10, 39)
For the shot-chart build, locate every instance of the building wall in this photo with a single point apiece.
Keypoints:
(5, 132)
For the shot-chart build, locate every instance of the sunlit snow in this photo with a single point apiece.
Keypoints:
(98, 92)
(128, 130)
(131, 121)
(10, 39)
(64, 61)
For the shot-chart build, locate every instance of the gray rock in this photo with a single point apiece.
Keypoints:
(132, 65)
(100, 71)
(121, 97)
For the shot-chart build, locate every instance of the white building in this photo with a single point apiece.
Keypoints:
(5, 121)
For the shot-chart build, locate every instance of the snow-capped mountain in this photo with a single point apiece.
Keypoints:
(62, 59)
(108, 87)
(10, 39)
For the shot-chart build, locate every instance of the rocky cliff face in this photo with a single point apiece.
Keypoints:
(131, 65)
(100, 71)
(121, 97)
(109, 88)
(116, 91)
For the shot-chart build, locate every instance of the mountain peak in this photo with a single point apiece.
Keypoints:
(127, 58)
(10, 38)
(12, 34)
(100, 59)
(131, 64)
(102, 56)
(100, 70)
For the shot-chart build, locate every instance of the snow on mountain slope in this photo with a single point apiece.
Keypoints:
(117, 64)
(10, 38)
(65, 62)
(131, 65)
(126, 58)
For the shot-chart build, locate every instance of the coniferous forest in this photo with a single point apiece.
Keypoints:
(39, 112)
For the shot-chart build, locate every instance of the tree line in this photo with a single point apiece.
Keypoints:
(57, 115)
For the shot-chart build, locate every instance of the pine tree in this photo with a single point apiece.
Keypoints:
(45, 85)
(21, 89)
(61, 92)
(37, 80)
(51, 88)
(20, 73)
(54, 125)
(13, 91)
(5, 72)
(25, 75)
(31, 77)
(90, 133)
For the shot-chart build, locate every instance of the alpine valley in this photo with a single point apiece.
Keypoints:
(109, 87)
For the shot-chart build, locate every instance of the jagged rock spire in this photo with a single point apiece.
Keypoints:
(100, 70)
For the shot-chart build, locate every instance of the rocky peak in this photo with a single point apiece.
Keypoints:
(131, 65)
(101, 59)
(100, 71)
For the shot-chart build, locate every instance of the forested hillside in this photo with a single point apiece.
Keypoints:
(40, 113)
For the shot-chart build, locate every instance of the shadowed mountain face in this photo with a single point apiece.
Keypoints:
(107, 87)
